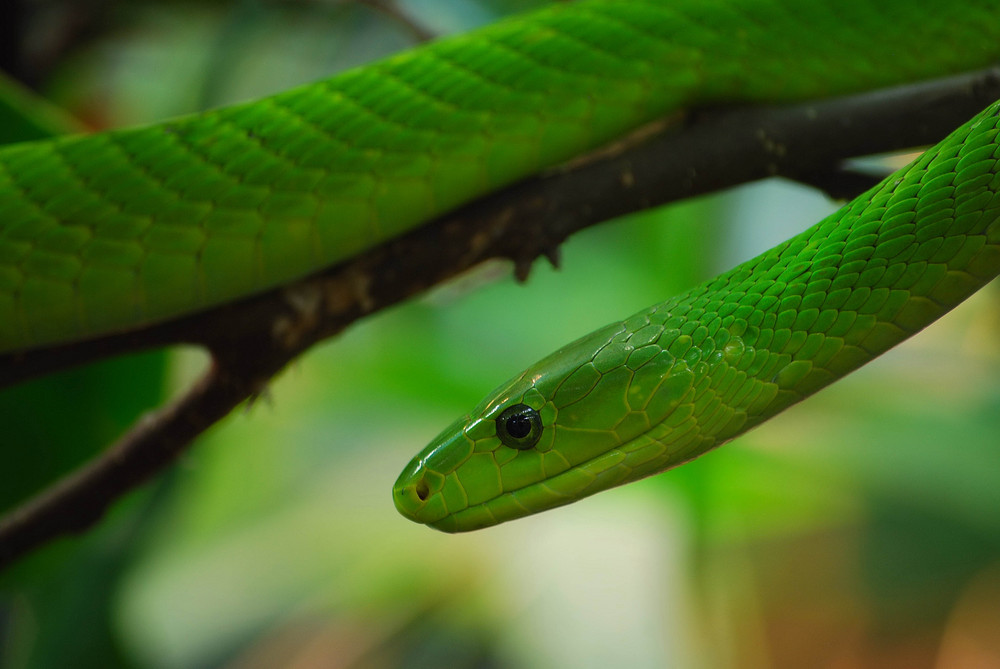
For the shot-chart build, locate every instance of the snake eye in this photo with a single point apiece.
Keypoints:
(519, 427)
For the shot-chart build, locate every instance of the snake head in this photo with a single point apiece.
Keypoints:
(577, 422)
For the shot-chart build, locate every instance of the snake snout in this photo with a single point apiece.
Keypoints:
(410, 496)
(414, 495)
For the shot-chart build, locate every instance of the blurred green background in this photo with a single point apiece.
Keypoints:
(859, 529)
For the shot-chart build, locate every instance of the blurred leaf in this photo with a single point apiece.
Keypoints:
(24, 116)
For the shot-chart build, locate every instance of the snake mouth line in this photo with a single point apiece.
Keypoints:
(540, 496)
(484, 513)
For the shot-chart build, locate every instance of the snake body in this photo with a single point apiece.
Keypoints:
(117, 230)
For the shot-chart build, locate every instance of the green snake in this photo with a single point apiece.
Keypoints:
(119, 230)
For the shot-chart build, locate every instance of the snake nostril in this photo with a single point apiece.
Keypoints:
(423, 492)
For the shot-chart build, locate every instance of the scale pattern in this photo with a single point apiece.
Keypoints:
(112, 231)
(684, 376)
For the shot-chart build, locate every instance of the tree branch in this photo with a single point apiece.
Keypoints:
(252, 340)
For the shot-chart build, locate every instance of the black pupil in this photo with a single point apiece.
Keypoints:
(519, 426)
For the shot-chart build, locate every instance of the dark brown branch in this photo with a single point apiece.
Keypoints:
(253, 339)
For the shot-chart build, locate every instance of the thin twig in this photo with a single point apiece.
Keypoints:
(254, 339)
